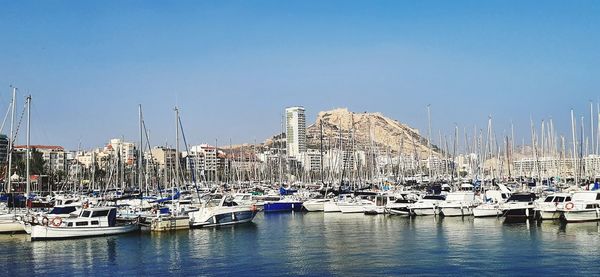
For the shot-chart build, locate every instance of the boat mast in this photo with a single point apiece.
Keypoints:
(11, 139)
(592, 126)
(176, 146)
(321, 123)
(140, 151)
(429, 139)
(574, 164)
(28, 161)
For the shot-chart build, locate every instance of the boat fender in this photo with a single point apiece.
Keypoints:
(253, 208)
(569, 206)
(57, 221)
(45, 221)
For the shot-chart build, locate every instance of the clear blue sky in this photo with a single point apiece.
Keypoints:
(232, 66)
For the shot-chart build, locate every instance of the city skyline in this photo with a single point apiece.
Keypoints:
(232, 67)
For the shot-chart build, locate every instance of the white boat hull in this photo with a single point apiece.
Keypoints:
(348, 209)
(425, 211)
(375, 209)
(331, 207)
(11, 226)
(456, 211)
(549, 214)
(314, 207)
(223, 217)
(487, 211)
(580, 216)
(39, 232)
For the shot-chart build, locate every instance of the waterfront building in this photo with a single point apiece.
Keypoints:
(55, 157)
(295, 131)
(3, 149)
(127, 150)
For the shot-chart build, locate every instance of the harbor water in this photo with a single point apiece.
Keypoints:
(317, 244)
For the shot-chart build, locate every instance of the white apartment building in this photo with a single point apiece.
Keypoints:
(295, 131)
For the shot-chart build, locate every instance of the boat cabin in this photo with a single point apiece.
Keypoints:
(460, 196)
(522, 197)
(557, 198)
(92, 217)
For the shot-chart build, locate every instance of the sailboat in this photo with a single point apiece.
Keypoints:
(165, 219)
(11, 222)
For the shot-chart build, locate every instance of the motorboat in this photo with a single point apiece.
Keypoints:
(220, 211)
(91, 222)
(584, 206)
(547, 208)
(519, 206)
(492, 199)
(165, 220)
(380, 203)
(400, 206)
(428, 205)
(357, 204)
(459, 203)
(11, 223)
(285, 204)
(331, 206)
(315, 205)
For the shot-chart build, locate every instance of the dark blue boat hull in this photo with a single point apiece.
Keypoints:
(294, 206)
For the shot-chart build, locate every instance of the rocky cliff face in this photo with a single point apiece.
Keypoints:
(369, 131)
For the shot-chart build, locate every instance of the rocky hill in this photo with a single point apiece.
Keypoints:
(369, 130)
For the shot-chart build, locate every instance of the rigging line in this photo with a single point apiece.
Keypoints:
(154, 166)
(20, 121)
(5, 117)
(188, 151)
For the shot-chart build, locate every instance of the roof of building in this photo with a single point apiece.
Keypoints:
(48, 147)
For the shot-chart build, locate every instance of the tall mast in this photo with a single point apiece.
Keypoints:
(28, 161)
(429, 139)
(141, 151)
(321, 121)
(176, 145)
(592, 126)
(11, 139)
(574, 147)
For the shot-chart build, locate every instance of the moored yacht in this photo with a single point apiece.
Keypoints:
(428, 205)
(90, 222)
(356, 204)
(285, 204)
(492, 199)
(548, 207)
(220, 211)
(584, 206)
(380, 203)
(315, 205)
(519, 206)
(400, 206)
(459, 203)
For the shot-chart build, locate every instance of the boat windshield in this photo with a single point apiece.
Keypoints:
(86, 214)
(521, 198)
(62, 210)
(214, 203)
(434, 197)
(560, 199)
(549, 199)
